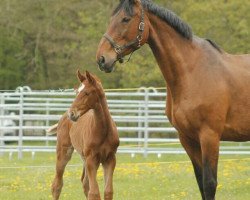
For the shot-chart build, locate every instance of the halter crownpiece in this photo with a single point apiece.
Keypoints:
(119, 49)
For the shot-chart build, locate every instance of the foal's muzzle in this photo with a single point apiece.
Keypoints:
(73, 116)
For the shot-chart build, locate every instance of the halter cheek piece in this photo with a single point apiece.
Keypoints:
(119, 49)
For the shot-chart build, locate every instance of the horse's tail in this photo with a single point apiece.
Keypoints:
(52, 130)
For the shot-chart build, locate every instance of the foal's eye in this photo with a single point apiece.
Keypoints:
(86, 93)
(126, 19)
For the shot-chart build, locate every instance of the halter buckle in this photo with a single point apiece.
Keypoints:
(141, 26)
(118, 50)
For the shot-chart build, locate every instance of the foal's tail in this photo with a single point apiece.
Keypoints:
(52, 130)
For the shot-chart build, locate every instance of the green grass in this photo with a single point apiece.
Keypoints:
(152, 178)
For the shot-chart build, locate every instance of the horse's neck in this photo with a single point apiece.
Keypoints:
(172, 52)
(102, 115)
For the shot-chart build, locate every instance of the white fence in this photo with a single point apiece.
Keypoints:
(139, 115)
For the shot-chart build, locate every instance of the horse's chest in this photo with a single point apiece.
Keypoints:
(185, 123)
(180, 121)
(176, 115)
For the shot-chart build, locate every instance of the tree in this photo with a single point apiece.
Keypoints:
(43, 42)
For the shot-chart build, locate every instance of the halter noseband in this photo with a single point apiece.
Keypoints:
(119, 49)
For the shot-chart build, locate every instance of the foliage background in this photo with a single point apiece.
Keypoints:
(43, 42)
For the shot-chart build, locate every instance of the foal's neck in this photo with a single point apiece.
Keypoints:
(172, 51)
(102, 115)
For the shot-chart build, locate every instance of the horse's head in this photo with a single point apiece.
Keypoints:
(88, 95)
(128, 30)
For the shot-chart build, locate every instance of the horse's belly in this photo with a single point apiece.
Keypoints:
(237, 134)
(237, 126)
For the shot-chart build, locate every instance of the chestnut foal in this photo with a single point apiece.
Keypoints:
(89, 129)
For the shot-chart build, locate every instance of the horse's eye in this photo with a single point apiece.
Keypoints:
(126, 19)
(86, 93)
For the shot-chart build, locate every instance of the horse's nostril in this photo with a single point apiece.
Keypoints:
(102, 60)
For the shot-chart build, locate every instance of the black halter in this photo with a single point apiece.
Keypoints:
(119, 49)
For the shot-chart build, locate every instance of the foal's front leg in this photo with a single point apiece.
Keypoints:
(92, 164)
(109, 166)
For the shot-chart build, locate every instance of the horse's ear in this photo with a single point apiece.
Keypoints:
(90, 78)
(80, 76)
(134, 1)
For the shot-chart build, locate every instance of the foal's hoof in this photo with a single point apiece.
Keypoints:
(94, 197)
(108, 195)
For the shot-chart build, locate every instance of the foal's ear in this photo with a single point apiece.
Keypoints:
(80, 76)
(90, 78)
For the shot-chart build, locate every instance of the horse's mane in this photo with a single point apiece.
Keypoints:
(166, 15)
(214, 45)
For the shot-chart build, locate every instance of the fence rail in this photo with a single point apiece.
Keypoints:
(139, 115)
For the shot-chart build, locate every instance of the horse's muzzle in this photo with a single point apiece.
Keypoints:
(104, 66)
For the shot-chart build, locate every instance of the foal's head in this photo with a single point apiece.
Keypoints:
(88, 95)
(127, 31)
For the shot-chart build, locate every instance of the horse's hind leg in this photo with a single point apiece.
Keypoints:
(193, 150)
(85, 181)
(109, 166)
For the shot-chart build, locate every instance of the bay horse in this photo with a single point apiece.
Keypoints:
(208, 90)
(88, 128)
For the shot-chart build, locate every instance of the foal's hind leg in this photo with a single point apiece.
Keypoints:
(193, 150)
(109, 166)
(85, 181)
(63, 157)
(64, 151)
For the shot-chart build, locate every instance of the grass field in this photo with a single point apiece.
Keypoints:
(138, 178)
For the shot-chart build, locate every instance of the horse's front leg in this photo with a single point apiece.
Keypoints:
(109, 167)
(193, 150)
(210, 142)
(92, 164)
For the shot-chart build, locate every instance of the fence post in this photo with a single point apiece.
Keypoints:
(47, 121)
(1, 121)
(20, 140)
(140, 113)
(141, 109)
(146, 100)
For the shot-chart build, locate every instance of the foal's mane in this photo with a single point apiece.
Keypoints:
(166, 15)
